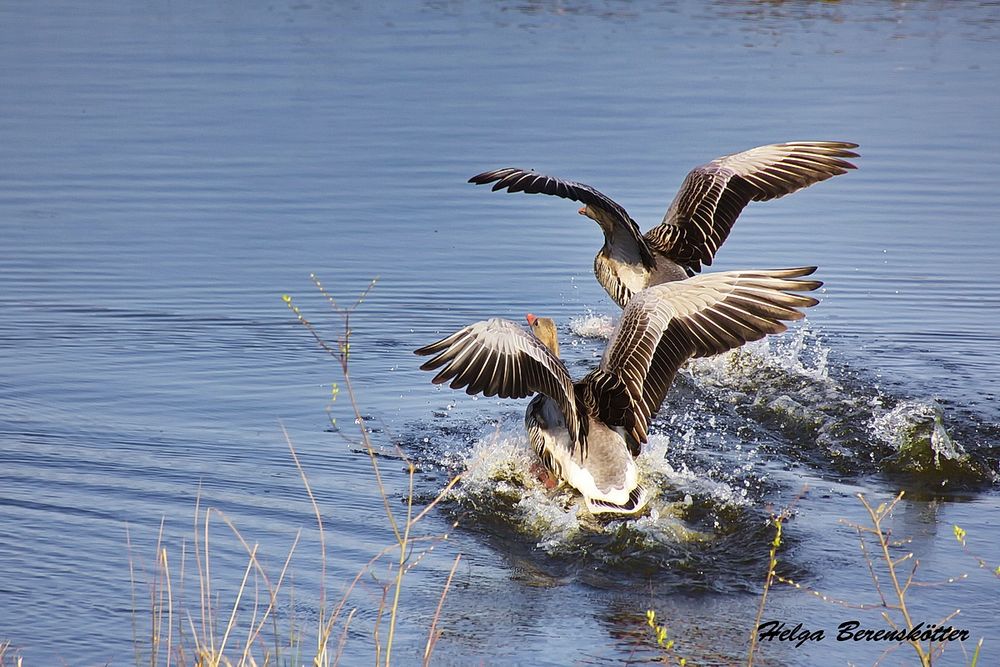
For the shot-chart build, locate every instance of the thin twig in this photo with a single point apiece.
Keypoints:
(772, 562)
(824, 597)
(871, 565)
(135, 612)
(236, 603)
(432, 635)
(402, 531)
(170, 606)
(343, 637)
(876, 516)
(156, 604)
(322, 539)
(394, 611)
(208, 588)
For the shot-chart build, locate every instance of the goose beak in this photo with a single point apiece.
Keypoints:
(531, 319)
(583, 210)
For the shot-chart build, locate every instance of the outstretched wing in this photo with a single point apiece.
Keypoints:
(498, 357)
(713, 195)
(531, 182)
(665, 325)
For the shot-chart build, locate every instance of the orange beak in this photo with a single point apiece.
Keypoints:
(583, 210)
(531, 319)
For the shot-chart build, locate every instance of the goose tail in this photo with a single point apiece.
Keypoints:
(638, 498)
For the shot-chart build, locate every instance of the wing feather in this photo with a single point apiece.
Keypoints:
(498, 357)
(523, 180)
(665, 325)
(713, 195)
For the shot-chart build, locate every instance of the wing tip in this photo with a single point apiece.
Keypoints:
(483, 178)
(810, 286)
(490, 176)
(435, 347)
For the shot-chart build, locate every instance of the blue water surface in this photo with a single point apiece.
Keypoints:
(169, 170)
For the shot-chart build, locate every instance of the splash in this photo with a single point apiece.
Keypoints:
(592, 325)
(694, 464)
(722, 442)
(831, 417)
(892, 426)
(798, 353)
(500, 482)
(921, 443)
(668, 463)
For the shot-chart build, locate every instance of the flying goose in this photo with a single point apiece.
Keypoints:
(587, 433)
(699, 218)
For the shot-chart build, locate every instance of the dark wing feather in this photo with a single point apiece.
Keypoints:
(665, 325)
(497, 357)
(713, 195)
(531, 182)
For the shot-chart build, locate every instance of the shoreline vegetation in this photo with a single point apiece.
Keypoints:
(888, 562)
(247, 630)
(252, 630)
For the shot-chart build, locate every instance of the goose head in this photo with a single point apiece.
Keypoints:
(605, 220)
(590, 212)
(544, 329)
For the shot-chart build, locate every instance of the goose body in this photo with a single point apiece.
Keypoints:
(698, 219)
(587, 433)
(606, 476)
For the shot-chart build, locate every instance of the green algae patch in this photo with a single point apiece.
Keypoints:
(924, 447)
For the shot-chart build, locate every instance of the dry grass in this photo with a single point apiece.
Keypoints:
(8, 655)
(243, 627)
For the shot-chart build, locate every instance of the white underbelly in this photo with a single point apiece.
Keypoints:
(605, 472)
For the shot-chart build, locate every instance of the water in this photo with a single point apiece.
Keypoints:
(167, 172)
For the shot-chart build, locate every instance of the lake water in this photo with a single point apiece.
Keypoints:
(169, 170)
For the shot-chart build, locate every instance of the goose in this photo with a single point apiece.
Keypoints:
(588, 432)
(698, 220)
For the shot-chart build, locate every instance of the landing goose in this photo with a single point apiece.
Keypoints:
(699, 218)
(588, 432)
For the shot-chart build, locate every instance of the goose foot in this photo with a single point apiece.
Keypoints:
(544, 475)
